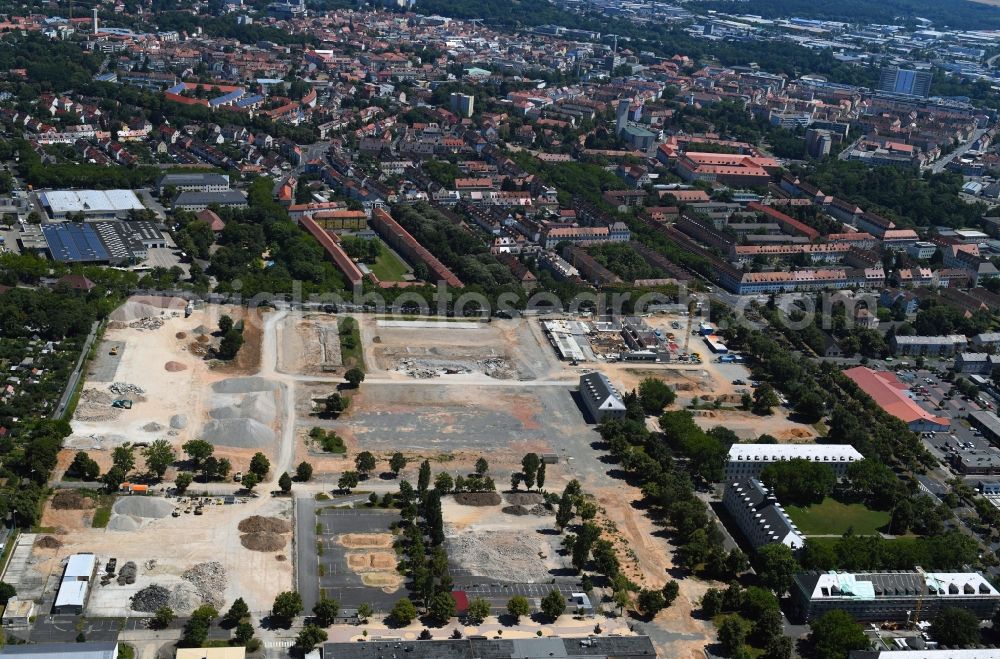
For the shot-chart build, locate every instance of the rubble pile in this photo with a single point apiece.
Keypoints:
(209, 580)
(146, 324)
(150, 598)
(125, 389)
(126, 573)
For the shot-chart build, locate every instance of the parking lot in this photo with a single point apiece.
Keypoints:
(358, 563)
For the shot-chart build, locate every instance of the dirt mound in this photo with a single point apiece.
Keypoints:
(203, 339)
(365, 540)
(180, 335)
(48, 542)
(515, 510)
(174, 367)
(387, 581)
(524, 498)
(281, 557)
(263, 541)
(376, 560)
(70, 500)
(477, 499)
(258, 524)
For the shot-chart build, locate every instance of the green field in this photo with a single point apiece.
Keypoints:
(388, 266)
(351, 352)
(834, 518)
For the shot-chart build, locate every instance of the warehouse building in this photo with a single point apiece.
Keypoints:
(892, 596)
(893, 396)
(759, 516)
(93, 204)
(107, 242)
(988, 423)
(194, 182)
(748, 460)
(75, 585)
(87, 650)
(592, 647)
(199, 201)
(600, 397)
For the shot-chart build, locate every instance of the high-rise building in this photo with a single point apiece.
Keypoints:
(905, 81)
(462, 104)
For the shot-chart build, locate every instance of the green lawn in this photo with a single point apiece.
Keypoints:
(834, 518)
(388, 266)
(351, 352)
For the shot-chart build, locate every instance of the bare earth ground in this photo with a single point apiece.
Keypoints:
(175, 544)
(750, 426)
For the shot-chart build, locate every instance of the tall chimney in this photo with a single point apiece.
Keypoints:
(95, 20)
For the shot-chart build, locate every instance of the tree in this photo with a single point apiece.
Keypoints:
(197, 626)
(285, 482)
(397, 463)
(655, 395)
(956, 627)
(403, 612)
(198, 450)
(518, 606)
(776, 565)
(365, 611)
(225, 324)
(764, 398)
(365, 463)
(651, 601)
(711, 602)
(553, 604)
(670, 591)
(799, 482)
(243, 633)
(326, 611)
(529, 467)
(482, 466)
(304, 472)
(443, 482)
(733, 634)
(479, 610)
(334, 404)
(162, 618)
(564, 513)
(287, 605)
(348, 480)
(113, 478)
(260, 465)
(250, 481)
(778, 647)
(810, 406)
(123, 457)
(159, 456)
(442, 607)
(84, 467)
(236, 613)
(515, 480)
(424, 478)
(182, 482)
(309, 637)
(540, 476)
(354, 376)
(834, 634)
(230, 345)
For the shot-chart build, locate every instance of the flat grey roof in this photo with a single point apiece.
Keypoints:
(618, 647)
(93, 650)
(226, 198)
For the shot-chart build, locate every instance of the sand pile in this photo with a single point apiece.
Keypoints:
(71, 500)
(257, 523)
(174, 367)
(178, 421)
(48, 542)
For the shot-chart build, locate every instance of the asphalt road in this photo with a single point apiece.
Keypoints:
(938, 166)
(74, 377)
(306, 565)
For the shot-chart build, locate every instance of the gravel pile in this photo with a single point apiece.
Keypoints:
(150, 598)
(125, 389)
(524, 498)
(178, 421)
(209, 580)
(258, 524)
(124, 523)
(148, 507)
(152, 426)
(238, 433)
(258, 406)
(504, 555)
(243, 385)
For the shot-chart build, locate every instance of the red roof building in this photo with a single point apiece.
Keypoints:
(893, 396)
